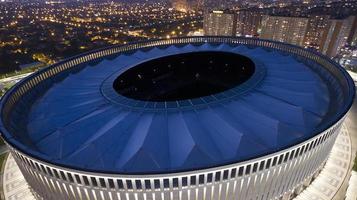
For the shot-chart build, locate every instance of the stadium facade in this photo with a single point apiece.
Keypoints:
(183, 118)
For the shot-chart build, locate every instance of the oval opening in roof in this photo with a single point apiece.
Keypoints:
(184, 76)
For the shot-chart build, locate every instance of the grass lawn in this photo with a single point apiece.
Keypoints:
(2, 156)
(6, 88)
(2, 159)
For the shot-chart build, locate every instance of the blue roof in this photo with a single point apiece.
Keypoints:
(81, 122)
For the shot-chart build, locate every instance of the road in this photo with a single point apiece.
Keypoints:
(353, 75)
(13, 79)
(351, 122)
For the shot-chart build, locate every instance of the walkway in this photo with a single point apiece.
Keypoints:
(15, 186)
(330, 182)
(352, 188)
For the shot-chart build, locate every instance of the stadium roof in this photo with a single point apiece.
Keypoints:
(81, 121)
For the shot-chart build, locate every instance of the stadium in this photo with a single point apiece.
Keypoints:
(182, 118)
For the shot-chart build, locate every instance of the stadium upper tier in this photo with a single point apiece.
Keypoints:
(176, 108)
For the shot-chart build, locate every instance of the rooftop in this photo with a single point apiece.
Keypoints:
(176, 108)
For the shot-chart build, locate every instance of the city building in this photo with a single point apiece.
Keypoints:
(196, 33)
(248, 23)
(219, 23)
(284, 29)
(316, 30)
(337, 35)
(352, 38)
(348, 58)
(184, 118)
(333, 38)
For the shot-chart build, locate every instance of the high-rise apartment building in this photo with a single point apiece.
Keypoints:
(219, 23)
(284, 29)
(339, 31)
(352, 38)
(330, 44)
(316, 31)
(248, 22)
